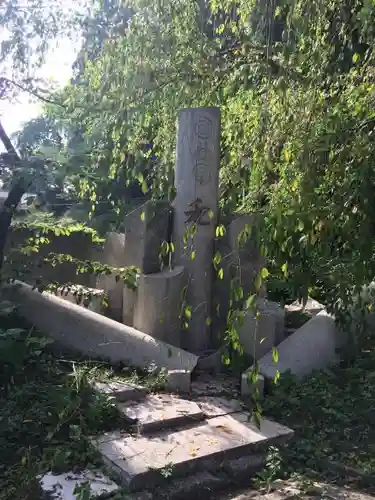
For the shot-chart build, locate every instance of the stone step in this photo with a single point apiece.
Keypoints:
(160, 411)
(121, 391)
(140, 460)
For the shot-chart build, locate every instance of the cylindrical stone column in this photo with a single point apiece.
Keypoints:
(196, 206)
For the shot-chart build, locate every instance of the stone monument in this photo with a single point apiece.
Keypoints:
(195, 216)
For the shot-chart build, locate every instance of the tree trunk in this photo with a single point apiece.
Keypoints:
(14, 196)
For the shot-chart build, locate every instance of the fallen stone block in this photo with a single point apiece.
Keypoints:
(179, 381)
(159, 304)
(311, 347)
(92, 334)
(141, 460)
(62, 486)
(160, 411)
(121, 391)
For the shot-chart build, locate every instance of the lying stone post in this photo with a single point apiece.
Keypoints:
(195, 209)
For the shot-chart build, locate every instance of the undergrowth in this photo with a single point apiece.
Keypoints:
(332, 414)
(47, 411)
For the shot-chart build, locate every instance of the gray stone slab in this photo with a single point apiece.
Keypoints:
(146, 228)
(178, 381)
(311, 347)
(213, 406)
(61, 486)
(121, 391)
(141, 460)
(112, 254)
(160, 411)
(159, 303)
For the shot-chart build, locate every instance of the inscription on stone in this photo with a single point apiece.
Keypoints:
(201, 169)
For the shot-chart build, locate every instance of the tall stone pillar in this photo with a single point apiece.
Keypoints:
(196, 206)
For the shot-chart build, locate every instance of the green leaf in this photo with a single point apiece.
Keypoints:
(264, 273)
(221, 273)
(275, 355)
(193, 255)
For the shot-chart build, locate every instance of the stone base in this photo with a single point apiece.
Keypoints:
(141, 460)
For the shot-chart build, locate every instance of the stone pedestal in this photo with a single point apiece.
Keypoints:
(146, 228)
(158, 305)
(112, 254)
(196, 206)
(129, 298)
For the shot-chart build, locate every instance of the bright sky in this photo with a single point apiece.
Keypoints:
(57, 68)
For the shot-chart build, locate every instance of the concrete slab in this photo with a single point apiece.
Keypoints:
(121, 391)
(142, 460)
(217, 406)
(62, 486)
(160, 411)
(311, 347)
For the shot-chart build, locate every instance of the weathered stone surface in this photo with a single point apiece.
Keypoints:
(219, 385)
(159, 304)
(311, 347)
(216, 406)
(244, 258)
(85, 331)
(212, 360)
(112, 254)
(312, 306)
(199, 485)
(90, 298)
(146, 228)
(129, 298)
(140, 460)
(247, 388)
(121, 391)
(179, 381)
(160, 411)
(196, 202)
(258, 336)
(61, 486)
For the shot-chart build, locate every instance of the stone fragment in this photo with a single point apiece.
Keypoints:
(159, 304)
(121, 391)
(146, 228)
(179, 381)
(62, 486)
(219, 385)
(248, 388)
(89, 333)
(160, 411)
(211, 361)
(141, 460)
(112, 254)
(311, 347)
(195, 211)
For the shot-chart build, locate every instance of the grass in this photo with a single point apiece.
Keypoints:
(332, 413)
(48, 410)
